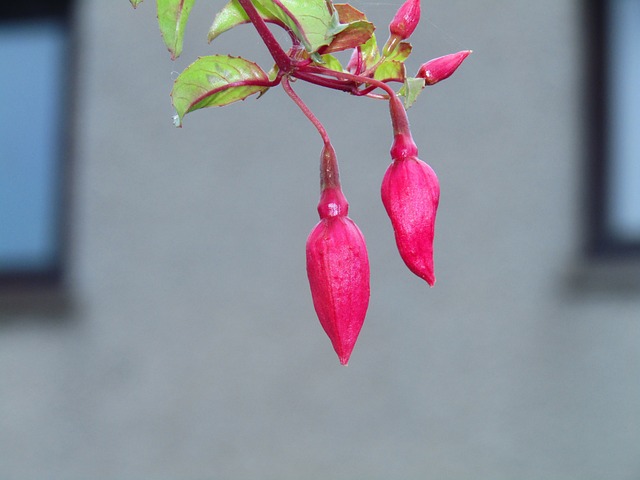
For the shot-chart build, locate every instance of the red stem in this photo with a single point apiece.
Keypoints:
(279, 55)
(305, 109)
(329, 176)
(350, 78)
(399, 118)
(313, 77)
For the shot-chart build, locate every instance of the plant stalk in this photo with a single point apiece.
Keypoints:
(329, 176)
(279, 55)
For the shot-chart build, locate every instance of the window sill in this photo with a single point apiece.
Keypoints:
(611, 275)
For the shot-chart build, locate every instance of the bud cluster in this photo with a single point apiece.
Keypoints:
(337, 262)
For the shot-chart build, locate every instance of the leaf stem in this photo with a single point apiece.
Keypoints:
(275, 49)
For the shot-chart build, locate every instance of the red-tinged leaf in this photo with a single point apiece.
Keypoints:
(357, 32)
(172, 19)
(390, 70)
(400, 53)
(354, 35)
(391, 66)
(348, 13)
(215, 81)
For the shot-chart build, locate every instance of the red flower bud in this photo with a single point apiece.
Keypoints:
(441, 68)
(410, 194)
(356, 62)
(338, 271)
(406, 19)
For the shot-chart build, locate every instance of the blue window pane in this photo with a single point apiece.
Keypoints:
(31, 96)
(624, 92)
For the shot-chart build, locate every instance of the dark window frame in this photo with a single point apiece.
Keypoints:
(601, 241)
(51, 277)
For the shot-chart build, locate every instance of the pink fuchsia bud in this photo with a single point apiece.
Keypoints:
(440, 68)
(356, 62)
(406, 19)
(338, 269)
(403, 24)
(410, 194)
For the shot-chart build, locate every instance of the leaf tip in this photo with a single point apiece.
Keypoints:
(175, 52)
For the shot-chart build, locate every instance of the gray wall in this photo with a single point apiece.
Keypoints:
(191, 349)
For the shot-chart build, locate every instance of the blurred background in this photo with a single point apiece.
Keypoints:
(160, 326)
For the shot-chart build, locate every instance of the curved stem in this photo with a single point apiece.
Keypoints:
(399, 118)
(329, 176)
(311, 77)
(308, 113)
(350, 77)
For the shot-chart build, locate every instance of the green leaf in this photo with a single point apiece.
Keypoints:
(215, 81)
(172, 19)
(400, 53)
(313, 22)
(392, 65)
(390, 70)
(231, 15)
(411, 89)
(370, 52)
(135, 3)
(332, 63)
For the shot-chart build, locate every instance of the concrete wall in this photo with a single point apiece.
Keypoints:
(191, 349)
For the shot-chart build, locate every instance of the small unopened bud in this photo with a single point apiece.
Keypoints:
(406, 19)
(440, 68)
(356, 62)
(402, 26)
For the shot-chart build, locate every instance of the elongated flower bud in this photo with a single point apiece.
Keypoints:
(440, 68)
(406, 19)
(410, 194)
(338, 271)
(402, 25)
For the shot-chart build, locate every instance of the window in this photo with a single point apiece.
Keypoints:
(614, 193)
(34, 48)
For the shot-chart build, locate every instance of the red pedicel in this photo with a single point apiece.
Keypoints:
(338, 272)
(440, 68)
